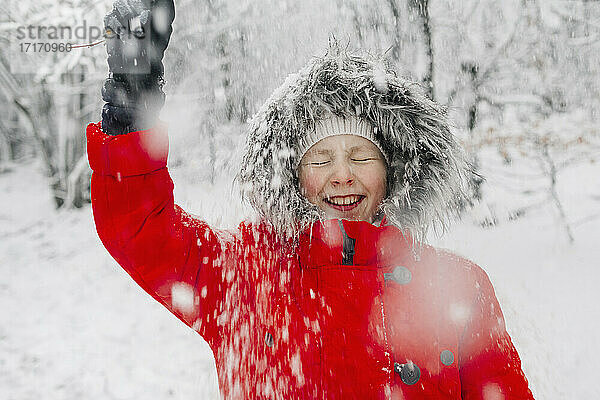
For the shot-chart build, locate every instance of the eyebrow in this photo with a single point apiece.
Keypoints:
(361, 147)
(349, 151)
(320, 152)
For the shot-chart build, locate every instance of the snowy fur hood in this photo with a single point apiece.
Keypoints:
(427, 172)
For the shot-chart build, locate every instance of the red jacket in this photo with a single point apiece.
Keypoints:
(348, 312)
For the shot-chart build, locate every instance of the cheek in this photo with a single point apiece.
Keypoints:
(311, 184)
(375, 181)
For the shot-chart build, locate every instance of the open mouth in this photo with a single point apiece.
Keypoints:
(344, 203)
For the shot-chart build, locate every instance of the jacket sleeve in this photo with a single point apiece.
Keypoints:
(172, 256)
(490, 367)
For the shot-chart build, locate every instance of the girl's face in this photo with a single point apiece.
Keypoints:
(345, 176)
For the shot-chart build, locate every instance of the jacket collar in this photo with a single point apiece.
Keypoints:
(353, 243)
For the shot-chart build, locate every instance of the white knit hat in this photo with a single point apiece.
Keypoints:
(333, 126)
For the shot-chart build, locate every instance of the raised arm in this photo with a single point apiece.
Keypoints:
(175, 258)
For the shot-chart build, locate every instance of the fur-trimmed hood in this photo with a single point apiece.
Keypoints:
(427, 172)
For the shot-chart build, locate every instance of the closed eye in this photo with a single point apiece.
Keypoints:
(317, 163)
(363, 159)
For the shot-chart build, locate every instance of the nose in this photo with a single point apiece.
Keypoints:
(342, 174)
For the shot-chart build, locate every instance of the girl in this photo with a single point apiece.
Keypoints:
(330, 294)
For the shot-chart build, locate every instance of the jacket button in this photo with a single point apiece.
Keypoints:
(401, 275)
(409, 373)
(446, 357)
(269, 341)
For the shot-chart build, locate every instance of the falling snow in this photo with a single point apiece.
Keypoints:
(526, 72)
(183, 297)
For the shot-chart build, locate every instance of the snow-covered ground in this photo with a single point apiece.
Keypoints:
(74, 326)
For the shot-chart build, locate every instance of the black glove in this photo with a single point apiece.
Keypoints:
(137, 34)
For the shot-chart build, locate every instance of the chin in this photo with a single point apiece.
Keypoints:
(348, 216)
